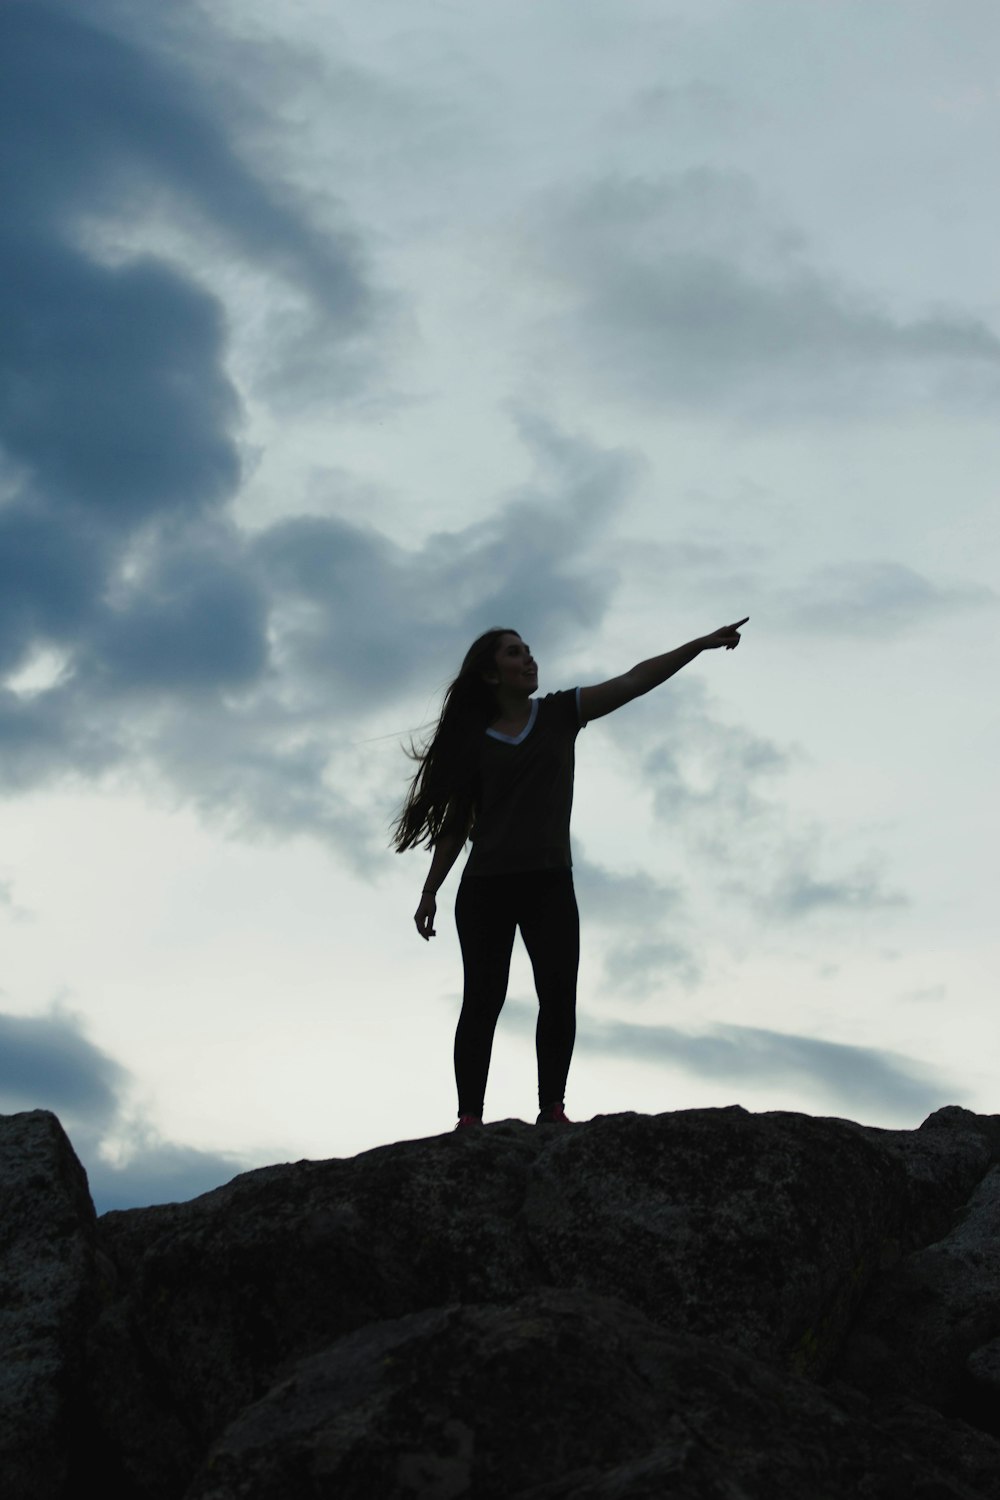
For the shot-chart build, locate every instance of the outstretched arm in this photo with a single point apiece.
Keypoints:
(605, 697)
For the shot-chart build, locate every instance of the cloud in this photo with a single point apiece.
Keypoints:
(634, 964)
(258, 774)
(640, 968)
(154, 1170)
(355, 611)
(50, 735)
(115, 404)
(687, 289)
(849, 1077)
(248, 665)
(232, 667)
(47, 1062)
(112, 394)
(238, 658)
(799, 893)
(9, 906)
(119, 418)
(717, 787)
(618, 899)
(692, 111)
(195, 619)
(108, 116)
(708, 770)
(865, 1080)
(355, 620)
(859, 598)
(931, 994)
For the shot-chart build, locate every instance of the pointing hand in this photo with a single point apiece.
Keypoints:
(726, 635)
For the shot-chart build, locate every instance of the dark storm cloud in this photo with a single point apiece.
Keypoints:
(683, 289)
(117, 415)
(859, 598)
(848, 1077)
(115, 409)
(112, 393)
(48, 735)
(185, 649)
(195, 620)
(51, 570)
(46, 1062)
(100, 123)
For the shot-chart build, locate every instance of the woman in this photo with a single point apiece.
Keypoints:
(499, 770)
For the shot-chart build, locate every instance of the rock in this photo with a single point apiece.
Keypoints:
(931, 1329)
(714, 1221)
(48, 1296)
(558, 1394)
(707, 1303)
(719, 1222)
(943, 1160)
(221, 1293)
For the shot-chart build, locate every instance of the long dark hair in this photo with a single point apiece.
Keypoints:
(442, 794)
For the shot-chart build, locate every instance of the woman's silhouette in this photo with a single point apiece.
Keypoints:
(499, 770)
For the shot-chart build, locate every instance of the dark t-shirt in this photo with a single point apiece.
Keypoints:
(525, 794)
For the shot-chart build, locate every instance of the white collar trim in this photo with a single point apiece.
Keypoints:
(515, 739)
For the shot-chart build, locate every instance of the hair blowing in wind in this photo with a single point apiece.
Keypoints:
(443, 790)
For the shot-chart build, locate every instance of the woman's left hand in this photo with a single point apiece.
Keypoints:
(726, 635)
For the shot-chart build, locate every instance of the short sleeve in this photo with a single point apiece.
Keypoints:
(563, 709)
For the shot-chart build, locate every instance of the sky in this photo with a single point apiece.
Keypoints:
(334, 335)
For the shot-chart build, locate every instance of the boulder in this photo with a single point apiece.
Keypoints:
(562, 1395)
(48, 1298)
(930, 1330)
(705, 1303)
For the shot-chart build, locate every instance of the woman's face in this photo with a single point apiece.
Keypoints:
(515, 665)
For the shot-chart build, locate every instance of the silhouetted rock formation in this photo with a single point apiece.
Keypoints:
(710, 1305)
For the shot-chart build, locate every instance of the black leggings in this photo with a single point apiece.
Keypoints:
(488, 909)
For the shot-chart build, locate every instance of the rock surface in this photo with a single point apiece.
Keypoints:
(48, 1294)
(701, 1304)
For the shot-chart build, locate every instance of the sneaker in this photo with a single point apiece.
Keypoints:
(553, 1114)
(466, 1120)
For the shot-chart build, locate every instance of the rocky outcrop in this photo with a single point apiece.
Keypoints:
(932, 1328)
(701, 1304)
(48, 1297)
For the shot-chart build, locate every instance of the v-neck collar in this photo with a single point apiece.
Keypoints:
(515, 739)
